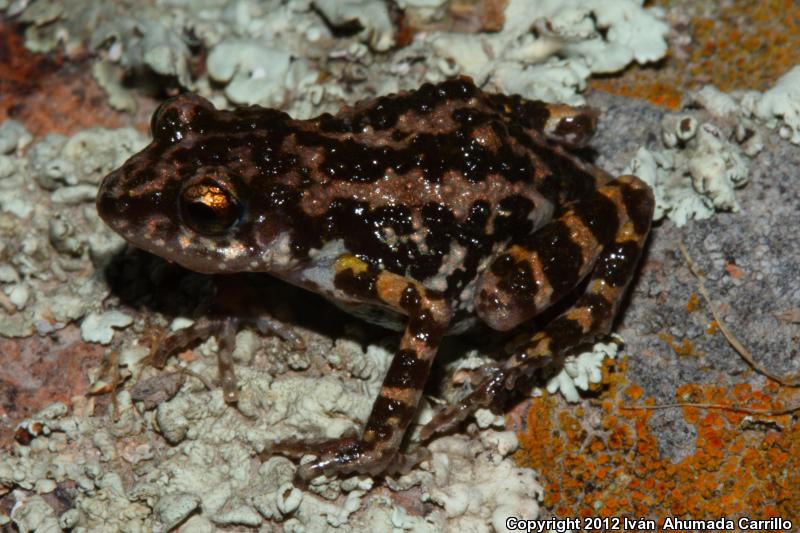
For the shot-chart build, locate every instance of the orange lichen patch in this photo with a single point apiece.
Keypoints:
(683, 347)
(694, 301)
(48, 93)
(734, 271)
(641, 82)
(614, 468)
(734, 45)
(634, 392)
(713, 327)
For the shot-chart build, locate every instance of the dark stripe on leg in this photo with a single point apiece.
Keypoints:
(407, 371)
(639, 203)
(601, 216)
(617, 264)
(600, 309)
(560, 256)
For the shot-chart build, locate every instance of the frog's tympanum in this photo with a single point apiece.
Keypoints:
(426, 211)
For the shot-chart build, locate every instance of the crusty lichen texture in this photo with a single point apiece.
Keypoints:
(189, 462)
(294, 53)
(168, 454)
(605, 460)
(734, 45)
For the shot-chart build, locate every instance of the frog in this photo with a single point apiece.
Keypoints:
(431, 212)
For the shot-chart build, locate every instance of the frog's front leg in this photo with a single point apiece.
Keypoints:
(428, 318)
(224, 329)
(523, 287)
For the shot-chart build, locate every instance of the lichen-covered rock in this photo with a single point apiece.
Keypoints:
(779, 107)
(286, 54)
(701, 166)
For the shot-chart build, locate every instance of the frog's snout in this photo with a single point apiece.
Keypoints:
(107, 204)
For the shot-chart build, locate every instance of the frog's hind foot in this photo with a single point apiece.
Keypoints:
(268, 325)
(345, 455)
(490, 393)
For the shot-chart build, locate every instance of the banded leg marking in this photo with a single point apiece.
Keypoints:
(428, 318)
(590, 317)
(536, 273)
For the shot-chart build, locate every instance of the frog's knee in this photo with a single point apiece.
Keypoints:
(638, 199)
(570, 125)
(500, 309)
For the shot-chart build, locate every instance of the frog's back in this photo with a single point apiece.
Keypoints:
(427, 184)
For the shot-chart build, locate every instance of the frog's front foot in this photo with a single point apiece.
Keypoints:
(224, 329)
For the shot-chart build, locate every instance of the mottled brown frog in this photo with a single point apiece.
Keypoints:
(426, 211)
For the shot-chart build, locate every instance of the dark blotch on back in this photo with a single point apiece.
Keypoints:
(512, 220)
(527, 113)
(384, 111)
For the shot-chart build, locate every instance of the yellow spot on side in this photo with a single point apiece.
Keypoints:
(351, 262)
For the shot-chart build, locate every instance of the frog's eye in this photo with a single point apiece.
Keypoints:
(210, 207)
(177, 116)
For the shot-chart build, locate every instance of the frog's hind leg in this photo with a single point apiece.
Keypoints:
(428, 318)
(590, 317)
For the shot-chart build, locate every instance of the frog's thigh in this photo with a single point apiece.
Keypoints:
(531, 275)
(593, 313)
(590, 317)
(428, 318)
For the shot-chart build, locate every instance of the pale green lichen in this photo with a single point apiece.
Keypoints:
(284, 53)
(583, 369)
(779, 107)
(53, 234)
(547, 49)
(99, 327)
(128, 478)
(703, 162)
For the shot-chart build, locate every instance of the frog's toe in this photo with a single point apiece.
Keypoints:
(346, 455)
(267, 325)
(224, 330)
(491, 393)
